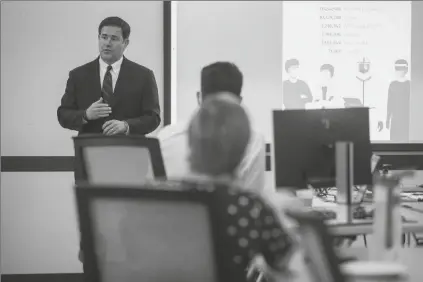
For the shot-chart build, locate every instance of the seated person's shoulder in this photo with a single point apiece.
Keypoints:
(245, 198)
(172, 130)
(164, 132)
(218, 186)
(165, 184)
(257, 133)
(257, 137)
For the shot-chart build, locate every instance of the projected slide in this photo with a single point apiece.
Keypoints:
(349, 54)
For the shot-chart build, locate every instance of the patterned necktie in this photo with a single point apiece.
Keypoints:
(107, 90)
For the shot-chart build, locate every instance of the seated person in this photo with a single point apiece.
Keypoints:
(218, 136)
(217, 78)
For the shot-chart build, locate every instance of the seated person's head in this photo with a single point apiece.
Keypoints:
(220, 77)
(218, 136)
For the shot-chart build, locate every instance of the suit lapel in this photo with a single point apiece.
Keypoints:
(95, 78)
(120, 84)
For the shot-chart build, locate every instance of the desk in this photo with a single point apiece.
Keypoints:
(365, 226)
(410, 257)
(412, 189)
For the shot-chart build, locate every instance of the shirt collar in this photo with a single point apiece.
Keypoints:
(115, 66)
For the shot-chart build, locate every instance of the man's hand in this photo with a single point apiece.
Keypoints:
(113, 127)
(97, 110)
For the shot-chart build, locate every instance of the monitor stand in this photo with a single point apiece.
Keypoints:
(344, 161)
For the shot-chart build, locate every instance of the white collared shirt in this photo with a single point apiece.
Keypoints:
(114, 71)
(175, 150)
(115, 74)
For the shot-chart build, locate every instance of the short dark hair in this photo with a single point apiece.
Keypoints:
(117, 22)
(218, 136)
(401, 65)
(290, 63)
(221, 77)
(329, 68)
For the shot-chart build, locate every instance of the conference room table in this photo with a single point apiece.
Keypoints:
(411, 211)
(410, 258)
(413, 215)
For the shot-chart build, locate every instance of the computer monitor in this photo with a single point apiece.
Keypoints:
(408, 156)
(304, 146)
(399, 156)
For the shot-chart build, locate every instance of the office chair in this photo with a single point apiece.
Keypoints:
(147, 234)
(126, 160)
(321, 258)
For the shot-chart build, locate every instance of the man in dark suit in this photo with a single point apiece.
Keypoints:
(111, 95)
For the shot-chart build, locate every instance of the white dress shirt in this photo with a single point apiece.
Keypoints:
(114, 71)
(115, 75)
(174, 145)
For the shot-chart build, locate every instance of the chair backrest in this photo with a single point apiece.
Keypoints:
(126, 160)
(321, 258)
(147, 234)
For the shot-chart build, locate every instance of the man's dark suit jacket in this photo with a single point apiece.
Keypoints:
(135, 98)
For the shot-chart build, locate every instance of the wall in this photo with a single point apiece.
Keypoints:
(40, 43)
(245, 33)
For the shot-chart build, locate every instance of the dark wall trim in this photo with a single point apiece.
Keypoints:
(37, 164)
(59, 277)
(66, 163)
(167, 59)
(268, 158)
(52, 164)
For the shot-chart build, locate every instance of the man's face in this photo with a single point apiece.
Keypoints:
(111, 44)
(293, 72)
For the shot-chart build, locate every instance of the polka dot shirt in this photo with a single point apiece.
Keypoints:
(248, 227)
